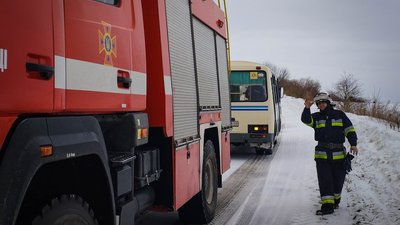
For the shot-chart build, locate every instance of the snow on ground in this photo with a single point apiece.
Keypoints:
(289, 194)
(371, 194)
(374, 185)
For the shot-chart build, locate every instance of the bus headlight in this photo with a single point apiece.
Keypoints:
(258, 129)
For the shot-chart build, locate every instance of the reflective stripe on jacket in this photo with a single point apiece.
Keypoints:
(330, 126)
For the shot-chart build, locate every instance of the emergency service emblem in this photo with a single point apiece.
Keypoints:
(107, 44)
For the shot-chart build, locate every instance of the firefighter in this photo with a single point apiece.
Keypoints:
(331, 126)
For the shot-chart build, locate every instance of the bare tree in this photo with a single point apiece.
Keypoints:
(348, 90)
(375, 104)
(310, 88)
(272, 66)
(282, 74)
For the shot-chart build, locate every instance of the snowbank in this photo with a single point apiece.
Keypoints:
(371, 194)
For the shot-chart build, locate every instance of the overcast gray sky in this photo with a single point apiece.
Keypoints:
(322, 39)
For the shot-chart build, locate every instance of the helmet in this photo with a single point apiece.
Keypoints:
(322, 97)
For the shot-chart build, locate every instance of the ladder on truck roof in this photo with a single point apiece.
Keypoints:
(227, 35)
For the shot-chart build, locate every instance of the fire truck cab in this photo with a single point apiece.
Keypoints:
(112, 107)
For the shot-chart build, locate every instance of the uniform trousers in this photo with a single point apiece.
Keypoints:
(331, 175)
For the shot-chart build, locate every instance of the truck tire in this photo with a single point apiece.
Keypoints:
(66, 210)
(201, 208)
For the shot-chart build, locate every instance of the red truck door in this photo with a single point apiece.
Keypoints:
(26, 56)
(101, 73)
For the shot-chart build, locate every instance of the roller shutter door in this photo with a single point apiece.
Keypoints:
(206, 65)
(223, 81)
(182, 69)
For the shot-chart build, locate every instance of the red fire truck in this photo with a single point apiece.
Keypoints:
(112, 107)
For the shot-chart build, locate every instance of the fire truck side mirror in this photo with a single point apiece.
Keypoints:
(234, 123)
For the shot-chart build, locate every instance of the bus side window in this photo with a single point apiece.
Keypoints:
(235, 93)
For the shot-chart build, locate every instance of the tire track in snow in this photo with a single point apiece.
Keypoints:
(239, 196)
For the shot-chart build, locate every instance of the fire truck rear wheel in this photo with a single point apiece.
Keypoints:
(66, 210)
(201, 208)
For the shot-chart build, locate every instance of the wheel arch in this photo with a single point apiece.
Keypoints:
(214, 136)
(84, 176)
(201, 208)
(77, 143)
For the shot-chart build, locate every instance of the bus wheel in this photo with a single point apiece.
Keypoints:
(66, 210)
(201, 208)
(260, 151)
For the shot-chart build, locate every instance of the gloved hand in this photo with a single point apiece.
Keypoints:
(347, 163)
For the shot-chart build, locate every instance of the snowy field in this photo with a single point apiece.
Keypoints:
(371, 194)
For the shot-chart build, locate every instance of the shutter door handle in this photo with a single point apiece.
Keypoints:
(125, 81)
(46, 72)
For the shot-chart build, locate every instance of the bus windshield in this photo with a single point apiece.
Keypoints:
(248, 86)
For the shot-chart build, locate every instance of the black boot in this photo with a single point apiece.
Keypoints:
(325, 209)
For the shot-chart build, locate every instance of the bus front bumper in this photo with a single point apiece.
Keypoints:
(252, 139)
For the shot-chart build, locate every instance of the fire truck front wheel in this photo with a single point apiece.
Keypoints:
(66, 210)
(201, 208)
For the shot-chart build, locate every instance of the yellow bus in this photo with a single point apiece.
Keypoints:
(255, 104)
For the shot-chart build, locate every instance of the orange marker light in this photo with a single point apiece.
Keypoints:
(145, 132)
(46, 150)
(142, 133)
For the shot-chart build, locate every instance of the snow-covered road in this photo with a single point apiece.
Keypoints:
(289, 193)
(282, 188)
(371, 194)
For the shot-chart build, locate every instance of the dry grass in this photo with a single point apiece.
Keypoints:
(388, 112)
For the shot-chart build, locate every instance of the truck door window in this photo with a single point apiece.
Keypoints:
(109, 2)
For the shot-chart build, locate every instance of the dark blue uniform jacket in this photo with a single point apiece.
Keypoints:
(330, 125)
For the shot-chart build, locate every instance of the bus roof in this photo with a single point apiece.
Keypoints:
(246, 65)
